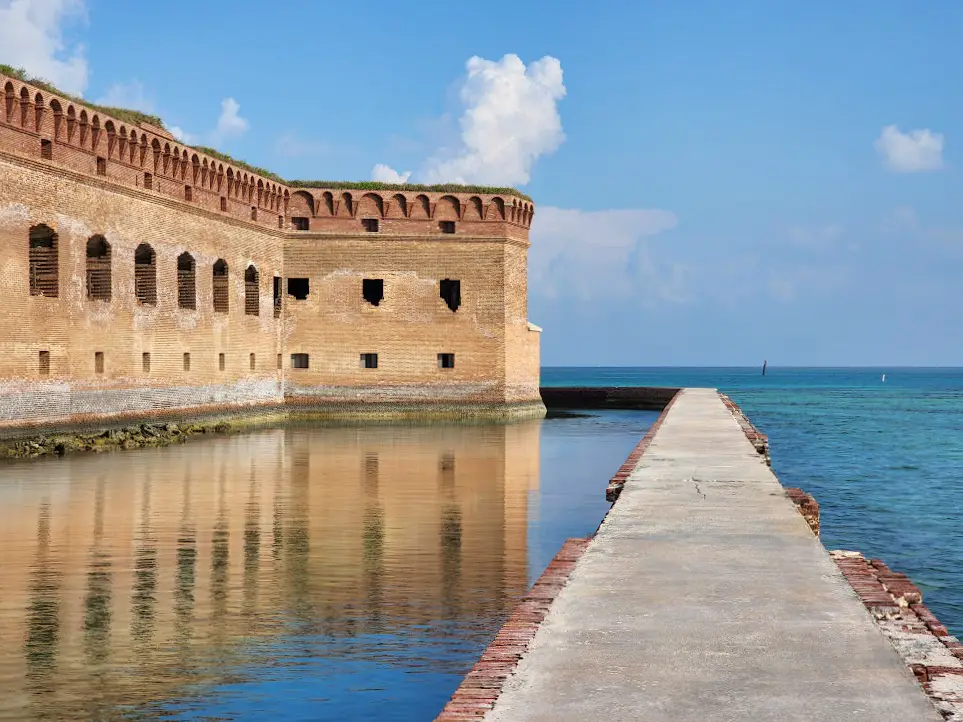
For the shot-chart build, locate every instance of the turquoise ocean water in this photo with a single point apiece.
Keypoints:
(883, 459)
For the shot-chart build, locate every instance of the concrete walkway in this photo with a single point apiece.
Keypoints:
(706, 597)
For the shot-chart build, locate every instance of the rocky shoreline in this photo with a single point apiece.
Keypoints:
(128, 437)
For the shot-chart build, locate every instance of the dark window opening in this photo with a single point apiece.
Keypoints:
(301, 224)
(145, 362)
(252, 361)
(186, 282)
(221, 283)
(44, 363)
(279, 362)
(253, 213)
(145, 275)
(44, 271)
(98, 269)
(280, 221)
(252, 292)
(220, 361)
(187, 361)
(451, 293)
(46, 150)
(223, 203)
(277, 298)
(370, 224)
(446, 360)
(299, 361)
(99, 362)
(148, 181)
(369, 360)
(373, 290)
(299, 288)
(188, 193)
(101, 166)
(446, 226)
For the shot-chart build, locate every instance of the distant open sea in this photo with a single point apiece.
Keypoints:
(883, 459)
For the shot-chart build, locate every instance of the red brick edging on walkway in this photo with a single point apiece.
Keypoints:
(758, 439)
(628, 466)
(924, 644)
(482, 685)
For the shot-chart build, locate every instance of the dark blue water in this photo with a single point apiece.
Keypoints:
(883, 459)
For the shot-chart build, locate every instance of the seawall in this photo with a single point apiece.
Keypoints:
(559, 657)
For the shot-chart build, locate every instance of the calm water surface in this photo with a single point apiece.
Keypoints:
(883, 459)
(299, 573)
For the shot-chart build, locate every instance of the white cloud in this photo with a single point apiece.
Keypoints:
(290, 145)
(183, 136)
(386, 174)
(230, 124)
(31, 37)
(912, 152)
(593, 253)
(509, 120)
(129, 95)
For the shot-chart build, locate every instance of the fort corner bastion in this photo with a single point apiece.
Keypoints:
(142, 278)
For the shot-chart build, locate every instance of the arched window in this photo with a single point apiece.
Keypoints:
(252, 296)
(145, 275)
(186, 281)
(220, 286)
(98, 268)
(44, 269)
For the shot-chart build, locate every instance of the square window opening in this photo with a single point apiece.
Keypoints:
(369, 360)
(299, 288)
(446, 226)
(299, 361)
(446, 360)
(370, 224)
(373, 290)
(301, 223)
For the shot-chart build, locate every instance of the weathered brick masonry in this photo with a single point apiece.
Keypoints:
(141, 275)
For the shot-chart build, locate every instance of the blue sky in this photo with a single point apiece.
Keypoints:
(714, 182)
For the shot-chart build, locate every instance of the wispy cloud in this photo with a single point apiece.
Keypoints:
(292, 146)
(130, 95)
(31, 37)
(509, 120)
(912, 152)
(589, 254)
(386, 174)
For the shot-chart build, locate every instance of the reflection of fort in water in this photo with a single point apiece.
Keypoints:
(126, 576)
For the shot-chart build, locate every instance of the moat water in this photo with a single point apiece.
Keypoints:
(302, 573)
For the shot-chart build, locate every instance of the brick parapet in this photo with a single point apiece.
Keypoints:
(67, 134)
